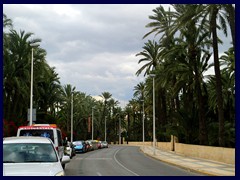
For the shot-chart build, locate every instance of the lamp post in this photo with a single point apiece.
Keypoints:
(119, 132)
(92, 122)
(72, 117)
(31, 92)
(105, 129)
(143, 123)
(154, 133)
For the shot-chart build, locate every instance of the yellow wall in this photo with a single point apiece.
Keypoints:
(220, 154)
(225, 155)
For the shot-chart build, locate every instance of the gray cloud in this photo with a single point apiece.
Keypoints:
(93, 47)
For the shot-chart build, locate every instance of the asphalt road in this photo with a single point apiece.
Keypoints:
(121, 161)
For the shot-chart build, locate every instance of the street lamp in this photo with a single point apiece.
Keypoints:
(31, 92)
(119, 132)
(143, 122)
(72, 118)
(154, 134)
(92, 122)
(105, 130)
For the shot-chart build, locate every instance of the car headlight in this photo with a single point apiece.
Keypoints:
(61, 173)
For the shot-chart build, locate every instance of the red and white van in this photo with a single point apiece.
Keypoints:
(45, 130)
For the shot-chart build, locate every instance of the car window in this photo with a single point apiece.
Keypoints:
(37, 132)
(77, 143)
(28, 152)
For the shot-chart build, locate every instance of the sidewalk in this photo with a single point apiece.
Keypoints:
(208, 167)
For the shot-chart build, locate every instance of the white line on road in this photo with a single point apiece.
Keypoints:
(79, 158)
(99, 174)
(123, 165)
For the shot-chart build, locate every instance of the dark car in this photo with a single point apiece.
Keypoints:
(80, 146)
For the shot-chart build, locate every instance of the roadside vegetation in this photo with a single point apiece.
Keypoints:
(195, 107)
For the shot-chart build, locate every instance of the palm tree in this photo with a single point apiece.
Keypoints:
(139, 91)
(66, 92)
(213, 12)
(7, 22)
(229, 15)
(17, 51)
(106, 96)
(151, 55)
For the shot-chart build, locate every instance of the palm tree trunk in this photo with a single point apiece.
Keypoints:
(218, 78)
(203, 137)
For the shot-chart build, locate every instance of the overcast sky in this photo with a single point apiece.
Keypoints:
(93, 47)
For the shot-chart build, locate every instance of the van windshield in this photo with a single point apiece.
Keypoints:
(37, 132)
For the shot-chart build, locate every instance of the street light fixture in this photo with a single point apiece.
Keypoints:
(154, 132)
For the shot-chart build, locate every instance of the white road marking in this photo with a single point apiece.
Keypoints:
(123, 165)
(79, 158)
(99, 174)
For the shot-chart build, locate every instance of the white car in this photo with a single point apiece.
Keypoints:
(31, 156)
(45, 130)
(69, 150)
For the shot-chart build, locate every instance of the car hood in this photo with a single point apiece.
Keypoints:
(31, 169)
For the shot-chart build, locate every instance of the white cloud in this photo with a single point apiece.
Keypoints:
(93, 47)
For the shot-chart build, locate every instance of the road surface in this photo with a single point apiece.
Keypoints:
(121, 161)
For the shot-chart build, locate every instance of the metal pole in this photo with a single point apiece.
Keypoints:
(92, 123)
(154, 134)
(72, 118)
(31, 93)
(119, 131)
(105, 130)
(143, 124)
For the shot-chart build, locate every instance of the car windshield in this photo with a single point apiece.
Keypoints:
(77, 143)
(37, 132)
(28, 152)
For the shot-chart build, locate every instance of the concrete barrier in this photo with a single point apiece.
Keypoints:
(220, 154)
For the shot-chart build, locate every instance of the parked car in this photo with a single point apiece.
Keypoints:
(45, 130)
(94, 144)
(89, 145)
(79, 146)
(69, 150)
(104, 144)
(99, 145)
(31, 156)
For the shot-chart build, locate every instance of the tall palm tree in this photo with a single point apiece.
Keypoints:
(139, 90)
(213, 12)
(16, 70)
(106, 96)
(67, 91)
(150, 54)
(229, 15)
